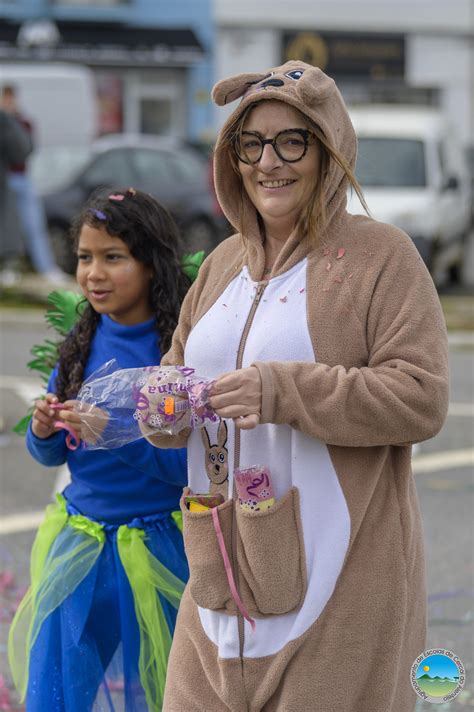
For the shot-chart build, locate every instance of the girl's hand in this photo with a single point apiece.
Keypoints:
(88, 421)
(43, 418)
(238, 395)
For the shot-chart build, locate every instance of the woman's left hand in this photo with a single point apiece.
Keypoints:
(238, 395)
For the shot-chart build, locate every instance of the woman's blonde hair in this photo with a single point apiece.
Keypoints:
(313, 221)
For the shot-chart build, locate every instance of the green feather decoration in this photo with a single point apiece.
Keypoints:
(65, 310)
(190, 264)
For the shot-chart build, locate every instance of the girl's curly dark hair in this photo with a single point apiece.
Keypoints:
(152, 237)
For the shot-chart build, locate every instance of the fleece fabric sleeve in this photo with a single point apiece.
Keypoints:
(400, 395)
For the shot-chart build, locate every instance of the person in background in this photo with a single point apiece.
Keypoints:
(325, 339)
(15, 146)
(29, 207)
(108, 564)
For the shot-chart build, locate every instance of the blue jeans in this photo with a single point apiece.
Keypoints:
(33, 222)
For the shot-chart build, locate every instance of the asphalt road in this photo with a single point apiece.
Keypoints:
(443, 470)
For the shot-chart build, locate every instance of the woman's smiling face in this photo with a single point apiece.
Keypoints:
(279, 190)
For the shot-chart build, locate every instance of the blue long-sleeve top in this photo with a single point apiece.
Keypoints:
(131, 481)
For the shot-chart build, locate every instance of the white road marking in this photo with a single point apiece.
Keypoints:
(435, 461)
(431, 462)
(461, 409)
(27, 388)
(26, 521)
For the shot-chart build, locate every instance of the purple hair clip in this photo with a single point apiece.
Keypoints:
(99, 214)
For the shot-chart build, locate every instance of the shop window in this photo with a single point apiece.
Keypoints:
(155, 116)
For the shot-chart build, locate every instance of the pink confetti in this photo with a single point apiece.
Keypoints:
(283, 299)
(338, 279)
(117, 197)
(340, 253)
(7, 580)
(328, 266)
(5, 698)
(326, 252)
(302, 290)
(351, 275)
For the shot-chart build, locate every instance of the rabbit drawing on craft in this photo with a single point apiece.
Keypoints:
(216, 455)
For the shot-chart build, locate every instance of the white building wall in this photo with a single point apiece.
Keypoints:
(445, 63)
(439, 41)
(242, 49)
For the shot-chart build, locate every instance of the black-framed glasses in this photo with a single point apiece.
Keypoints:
(290, 145)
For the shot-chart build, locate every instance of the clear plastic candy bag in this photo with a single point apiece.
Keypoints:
(119, 406)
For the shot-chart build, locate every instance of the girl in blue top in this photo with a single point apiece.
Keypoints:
(108, 563)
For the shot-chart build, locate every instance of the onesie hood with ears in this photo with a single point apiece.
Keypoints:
(307, 89)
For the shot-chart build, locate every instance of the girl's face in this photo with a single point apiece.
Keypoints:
(279, 190)
(112, 280)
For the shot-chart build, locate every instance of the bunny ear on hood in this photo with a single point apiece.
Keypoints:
(230, 89)
(307, 89)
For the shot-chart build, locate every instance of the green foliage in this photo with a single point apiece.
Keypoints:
(66, 308)
(22, 426)
(190, 264)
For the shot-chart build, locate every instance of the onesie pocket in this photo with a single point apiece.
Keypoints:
(271, 558)
(207, 576)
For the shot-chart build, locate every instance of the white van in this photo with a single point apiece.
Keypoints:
(414, 175)
(59, 98)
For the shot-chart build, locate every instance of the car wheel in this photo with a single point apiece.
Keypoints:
(62, 248)
(199, 235)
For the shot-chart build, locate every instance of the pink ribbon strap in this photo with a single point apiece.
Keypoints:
(72, 438)
(228, 569)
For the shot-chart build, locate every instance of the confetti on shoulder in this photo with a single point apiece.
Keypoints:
(283, 299)
(340, 253)
(302, 290)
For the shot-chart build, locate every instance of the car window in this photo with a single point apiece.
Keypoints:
(110, 168)
(53, 167)
(152, 166)
(188, 167)
(391, 163)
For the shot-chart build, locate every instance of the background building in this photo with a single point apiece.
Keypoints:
(403, 51)
(151, 60)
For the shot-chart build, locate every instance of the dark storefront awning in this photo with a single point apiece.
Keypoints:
(100, 43)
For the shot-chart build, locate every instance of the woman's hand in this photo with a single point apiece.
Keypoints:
(238, 395)
(42, 423)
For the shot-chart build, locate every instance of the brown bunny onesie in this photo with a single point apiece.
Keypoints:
(349, 339)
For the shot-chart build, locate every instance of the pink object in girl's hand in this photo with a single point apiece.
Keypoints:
(254, 488)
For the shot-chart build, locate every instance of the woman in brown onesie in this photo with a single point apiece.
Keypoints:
(326, 337)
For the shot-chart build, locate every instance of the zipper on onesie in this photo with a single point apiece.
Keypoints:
(240, 355)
